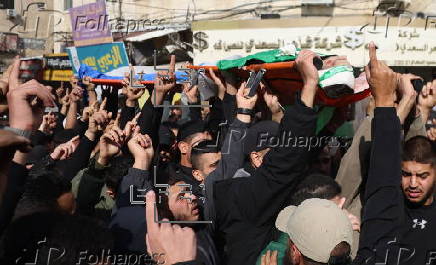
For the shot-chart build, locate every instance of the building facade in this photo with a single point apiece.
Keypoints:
(26, 28)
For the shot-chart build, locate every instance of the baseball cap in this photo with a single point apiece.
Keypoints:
(316, 227)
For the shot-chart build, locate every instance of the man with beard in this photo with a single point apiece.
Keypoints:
(398, 211)
(418, 185)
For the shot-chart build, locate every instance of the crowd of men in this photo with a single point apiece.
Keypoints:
(112, 182)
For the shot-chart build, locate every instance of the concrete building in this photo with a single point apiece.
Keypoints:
(26, 28)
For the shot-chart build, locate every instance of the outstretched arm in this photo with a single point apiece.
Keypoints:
(260, 197)
(383, 210)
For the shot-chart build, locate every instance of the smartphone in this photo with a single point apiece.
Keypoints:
(418, 84)
(250, 79)
(318, 63)
(254, 81)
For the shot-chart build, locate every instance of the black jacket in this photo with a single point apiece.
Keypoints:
(246, 208)
(383, 212)
(393, 232)
(232, 158)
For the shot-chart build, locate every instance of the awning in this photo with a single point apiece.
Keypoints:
(154, 34)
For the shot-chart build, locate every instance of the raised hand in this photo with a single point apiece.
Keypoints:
(98, 121)
(274, 106)
(131, 126)
(168, 78)
(381, 79)
(132, 94)
(65, 100)
(177, 244)
(87, 82)
(141, 147)
(65, 150)
(309, 74)
(76, 94)
(60, 92)
(48, 123)
(164, 82)
(407, 94)
(221, 87)
(427, 99)
(110, 144)
(22, 115)
(89, 111)
(244, 102)
(191, 93)
(354, 220)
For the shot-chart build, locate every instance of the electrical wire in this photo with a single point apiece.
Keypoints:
(209, 10)
(237, 10)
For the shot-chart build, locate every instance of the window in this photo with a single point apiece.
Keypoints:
(6, 4)
(68, 4)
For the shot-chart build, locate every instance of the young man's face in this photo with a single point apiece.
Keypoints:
(209, 162)
(183, 205)
(186, 147)
(418, 182)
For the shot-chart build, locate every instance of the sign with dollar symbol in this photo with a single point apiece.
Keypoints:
(200, 41)
(354, 39)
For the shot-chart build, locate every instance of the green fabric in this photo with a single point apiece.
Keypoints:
(280, 245)
(335, 70)
(324, 117)
(346, 130)
(270, 56)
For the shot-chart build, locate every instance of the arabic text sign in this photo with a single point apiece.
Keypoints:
(407, 46)
(59, 61)
(103, 57)
(57, 75)
(90, 24)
